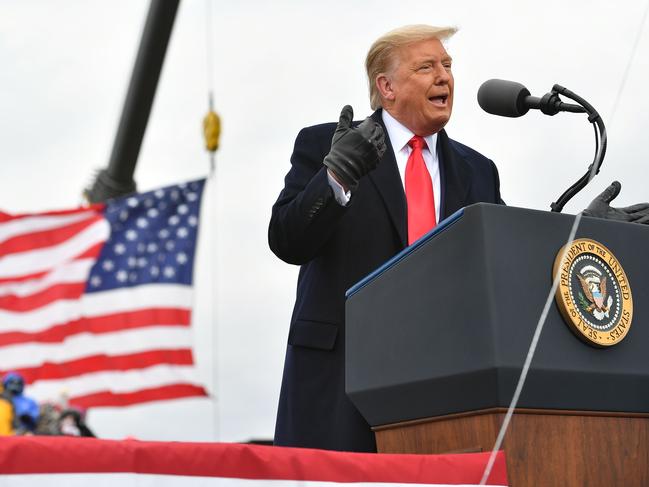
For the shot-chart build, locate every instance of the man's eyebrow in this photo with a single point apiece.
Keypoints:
(433, 59)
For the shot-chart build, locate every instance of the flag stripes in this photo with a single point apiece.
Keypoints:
(39, 299)
(85, 344)
(45, 258)
(75, 271)
(48, 237)
(96, 363)
(96, 305)
(101, 324)
(16, 225)
(118, 381)
(108, 398)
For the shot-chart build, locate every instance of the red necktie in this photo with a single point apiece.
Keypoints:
(419, 192)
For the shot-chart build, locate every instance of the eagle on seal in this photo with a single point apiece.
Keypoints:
(596, 294)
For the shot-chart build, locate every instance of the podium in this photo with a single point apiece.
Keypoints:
(436, 339)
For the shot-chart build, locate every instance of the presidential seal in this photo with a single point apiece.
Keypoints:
(593, 295)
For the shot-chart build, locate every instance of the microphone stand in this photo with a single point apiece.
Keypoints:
(600, 147)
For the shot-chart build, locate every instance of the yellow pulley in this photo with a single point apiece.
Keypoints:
(211, 131)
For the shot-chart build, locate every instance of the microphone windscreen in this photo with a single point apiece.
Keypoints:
(504, 98)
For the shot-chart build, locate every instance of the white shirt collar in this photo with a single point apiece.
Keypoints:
(400, 135)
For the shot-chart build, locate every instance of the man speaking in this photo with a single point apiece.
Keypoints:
(356, 195)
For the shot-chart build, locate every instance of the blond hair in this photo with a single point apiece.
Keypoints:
(381, 54)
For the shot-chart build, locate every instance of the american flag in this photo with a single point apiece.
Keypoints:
(95, 303)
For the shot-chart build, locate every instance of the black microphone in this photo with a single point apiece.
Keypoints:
(512, 99)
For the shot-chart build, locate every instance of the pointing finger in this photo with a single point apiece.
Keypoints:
(346, 116)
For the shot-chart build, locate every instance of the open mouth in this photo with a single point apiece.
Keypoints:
(438, 100)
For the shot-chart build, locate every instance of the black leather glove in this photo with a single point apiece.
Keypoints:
(600, 208)
(355, 151)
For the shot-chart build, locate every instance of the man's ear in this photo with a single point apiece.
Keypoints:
(384, 85)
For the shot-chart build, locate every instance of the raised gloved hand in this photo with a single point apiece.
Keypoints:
(600, 208)
(355, 151)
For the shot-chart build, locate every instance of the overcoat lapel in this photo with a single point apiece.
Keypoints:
(455, 176)
(387, 180)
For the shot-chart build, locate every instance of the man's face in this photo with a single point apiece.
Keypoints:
(418, 92)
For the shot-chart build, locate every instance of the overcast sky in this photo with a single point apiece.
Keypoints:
(280, 66)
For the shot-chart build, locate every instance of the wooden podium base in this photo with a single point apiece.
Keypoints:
(543, 447)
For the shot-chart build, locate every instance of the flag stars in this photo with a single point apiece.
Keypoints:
(152, 239)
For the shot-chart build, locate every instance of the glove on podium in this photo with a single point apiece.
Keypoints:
(600, 207)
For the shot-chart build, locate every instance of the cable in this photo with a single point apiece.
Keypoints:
(627, 69)
(211, 121)
(600, 148)
(212, 133)
(530, 355)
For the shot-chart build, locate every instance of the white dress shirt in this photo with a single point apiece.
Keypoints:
(399, 137)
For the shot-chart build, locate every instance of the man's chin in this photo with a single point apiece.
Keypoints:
(437, 123)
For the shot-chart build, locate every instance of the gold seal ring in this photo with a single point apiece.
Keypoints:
(593, 294)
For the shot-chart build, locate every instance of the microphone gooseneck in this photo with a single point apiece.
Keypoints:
(512, 99)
